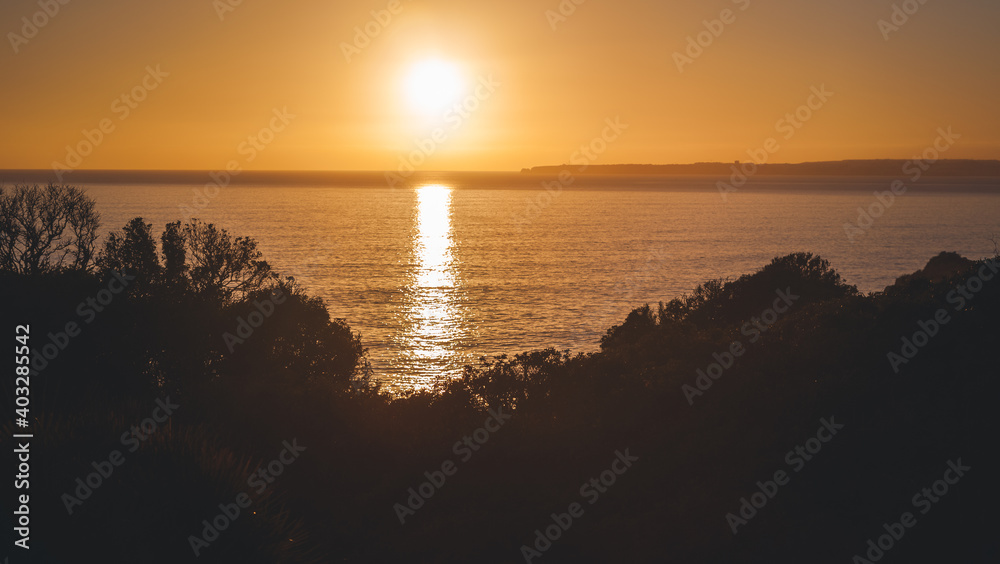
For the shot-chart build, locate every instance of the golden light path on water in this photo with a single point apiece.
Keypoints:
(433, 316)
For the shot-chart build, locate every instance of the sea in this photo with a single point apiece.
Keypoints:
(446, 268)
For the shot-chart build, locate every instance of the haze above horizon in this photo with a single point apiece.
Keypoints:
(443, 85)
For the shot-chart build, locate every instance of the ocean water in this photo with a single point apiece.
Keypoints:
(457, 266)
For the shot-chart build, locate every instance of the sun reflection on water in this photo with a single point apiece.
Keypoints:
(432, 315)
(433, 245)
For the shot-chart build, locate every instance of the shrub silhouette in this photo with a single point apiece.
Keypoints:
(157, 497)
(132, 251)
(174, 257)
(223, 267)
(298, 374)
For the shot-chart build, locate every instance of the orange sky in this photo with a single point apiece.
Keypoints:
(556, 82)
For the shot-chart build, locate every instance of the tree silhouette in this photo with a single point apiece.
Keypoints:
(174, 254)
(132, 251)
(222, 266)
(46, 229)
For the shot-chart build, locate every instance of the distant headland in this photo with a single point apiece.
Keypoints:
(879, 167)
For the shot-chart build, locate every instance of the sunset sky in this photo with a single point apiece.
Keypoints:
(228, 71)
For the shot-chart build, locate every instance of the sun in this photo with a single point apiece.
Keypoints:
(433, 84)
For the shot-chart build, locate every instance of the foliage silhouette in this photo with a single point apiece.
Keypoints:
(46, 229)
(302, 374)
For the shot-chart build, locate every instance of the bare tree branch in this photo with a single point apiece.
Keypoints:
(46, 229)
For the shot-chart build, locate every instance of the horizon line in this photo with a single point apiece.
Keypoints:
(374, 171)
